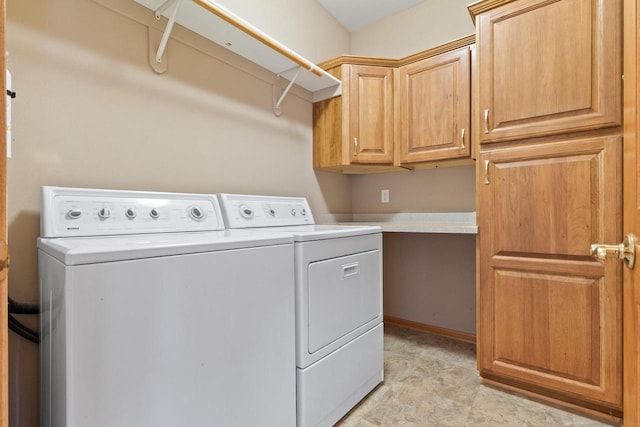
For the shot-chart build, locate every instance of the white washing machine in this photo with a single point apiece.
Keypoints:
(339, 331)
(154, 315)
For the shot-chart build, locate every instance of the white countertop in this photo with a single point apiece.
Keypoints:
(429, 222)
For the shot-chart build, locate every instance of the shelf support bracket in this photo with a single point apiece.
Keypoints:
(167, 30)
(277, 107)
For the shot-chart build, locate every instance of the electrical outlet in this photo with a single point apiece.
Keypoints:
(384, 196)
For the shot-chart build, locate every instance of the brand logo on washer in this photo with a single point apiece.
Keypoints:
(73, 228)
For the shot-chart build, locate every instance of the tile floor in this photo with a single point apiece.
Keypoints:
(432, 381)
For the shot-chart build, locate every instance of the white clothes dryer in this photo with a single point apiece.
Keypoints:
(154, 315)
(339, 331)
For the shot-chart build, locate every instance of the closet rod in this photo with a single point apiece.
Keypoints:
(252, 31)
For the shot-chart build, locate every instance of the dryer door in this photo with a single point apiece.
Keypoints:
(344, 294)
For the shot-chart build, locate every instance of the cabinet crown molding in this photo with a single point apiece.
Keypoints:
(394, 63)
(482, 6)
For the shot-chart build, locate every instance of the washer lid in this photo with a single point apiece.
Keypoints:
(305, 233)
(89, 250)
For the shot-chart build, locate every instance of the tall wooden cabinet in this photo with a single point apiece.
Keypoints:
(549, 315)
(548, 116)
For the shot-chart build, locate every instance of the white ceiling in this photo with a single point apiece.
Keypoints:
(357, 14)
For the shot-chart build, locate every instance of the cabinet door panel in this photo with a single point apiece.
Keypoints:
(558, 214)
(526, 329)
(549, 313)
(371, 114)
(549, 67)
(434, 108)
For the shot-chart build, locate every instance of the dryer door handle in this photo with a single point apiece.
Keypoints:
(349, 270)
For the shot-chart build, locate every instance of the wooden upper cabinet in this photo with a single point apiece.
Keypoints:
(434, 99)
(370, 110)
(354, 132)
(548, 67)
(396, 114)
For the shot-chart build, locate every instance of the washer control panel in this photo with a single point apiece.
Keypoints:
(244, 211)
(92, 212)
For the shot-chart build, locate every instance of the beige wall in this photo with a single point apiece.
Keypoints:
(428, 24)
(90, 112)
(450, 189)
(429, 279)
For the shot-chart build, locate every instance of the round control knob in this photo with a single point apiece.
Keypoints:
(153, 213)
(130, 213)
(104, 213)
(303, 212)
(246, 212)
(272, 212)
(293, 212)
(74, 213)
(196, 213)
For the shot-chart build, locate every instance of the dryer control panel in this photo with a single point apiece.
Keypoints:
(246, 211)
(93, 212)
